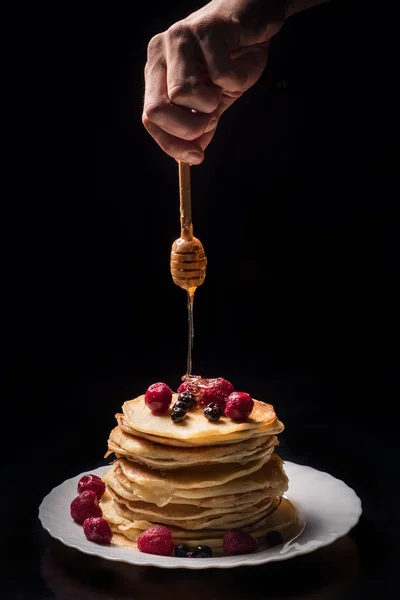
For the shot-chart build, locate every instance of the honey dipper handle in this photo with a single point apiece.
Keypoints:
(185, 201)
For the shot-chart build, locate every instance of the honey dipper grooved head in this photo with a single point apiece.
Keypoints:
(188, 263)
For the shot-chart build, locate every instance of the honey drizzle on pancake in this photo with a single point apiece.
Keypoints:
(190, 298)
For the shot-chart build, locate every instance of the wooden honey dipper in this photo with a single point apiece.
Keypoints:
(188, 259)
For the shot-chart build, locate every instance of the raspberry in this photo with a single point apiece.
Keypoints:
(85, 506)
(191, 385)
(97, 530)
(156, 540)
(238, 541)
(158, 397)
(239, 406)
(184, 387)
(93, 483)
(217, 391)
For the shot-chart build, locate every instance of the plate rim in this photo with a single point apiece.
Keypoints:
(223, 562)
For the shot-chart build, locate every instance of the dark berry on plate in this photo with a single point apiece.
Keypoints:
(178, 414)
(93, 483)
(97, 530)
(213, 412)
(84, 506)
(156, 540)
(239, 406)
(274, 538)
(158, 397)
(238, 541)
(181, 550)
(187, 398)
(202, 552)
(216, 390)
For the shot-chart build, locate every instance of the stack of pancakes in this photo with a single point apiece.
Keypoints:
(198, 478)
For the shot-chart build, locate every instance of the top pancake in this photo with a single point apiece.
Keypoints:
(195, 425)
(230, 438)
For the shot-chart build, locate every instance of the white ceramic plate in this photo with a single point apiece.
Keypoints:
(328, 506)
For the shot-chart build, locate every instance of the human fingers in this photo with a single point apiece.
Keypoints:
(234, 69)
(187, 151)
(226, 101)
(187, 82)
(250, 64)
(191, 152)
(216, 50)
(178, 121)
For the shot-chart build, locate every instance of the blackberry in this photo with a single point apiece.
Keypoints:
(181, 550)
(187, 398)
(213, 412)
(177, 414)
(274, 538)
(182, 405)
(202, 552)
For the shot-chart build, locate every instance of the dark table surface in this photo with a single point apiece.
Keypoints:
(300, 311)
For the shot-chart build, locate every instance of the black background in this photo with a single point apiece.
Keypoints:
(295, 206)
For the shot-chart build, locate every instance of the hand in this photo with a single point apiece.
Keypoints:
(198, 68)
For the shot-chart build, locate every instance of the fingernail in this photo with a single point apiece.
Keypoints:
(193, 158)
(212, 125)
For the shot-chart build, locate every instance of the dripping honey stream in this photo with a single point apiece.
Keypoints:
(188, 259)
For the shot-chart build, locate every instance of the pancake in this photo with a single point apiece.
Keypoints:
(157, 456)
(273, 429)
(284, 518)
(234, 501)
(264, 453)
(177, 512)
(194, 427)
(198, 478)
(154, 485)
(115, 515)
(217, 520)
(151, 486)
